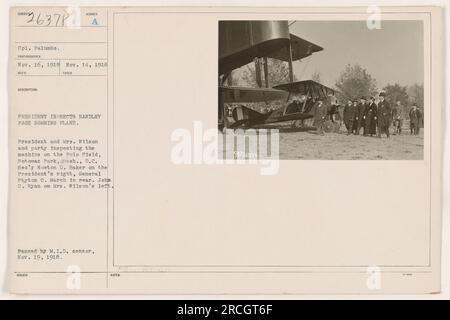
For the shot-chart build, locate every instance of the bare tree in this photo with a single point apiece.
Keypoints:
(396, 92)
(415, 93)
(354, 82)
(278, 73)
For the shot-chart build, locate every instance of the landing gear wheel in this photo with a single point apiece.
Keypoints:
(328, 126)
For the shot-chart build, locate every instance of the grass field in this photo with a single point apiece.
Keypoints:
(340, 146)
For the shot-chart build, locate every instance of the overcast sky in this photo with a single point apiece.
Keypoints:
(392, 54)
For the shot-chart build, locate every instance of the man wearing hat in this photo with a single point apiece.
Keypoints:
(397, 112)
(349, 116)
(360, 111)
(320, 113)
(370, 118)
(384, 116)
(415, 119)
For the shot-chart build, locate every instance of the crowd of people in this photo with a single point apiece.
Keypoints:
(369, 116)
(375, 119)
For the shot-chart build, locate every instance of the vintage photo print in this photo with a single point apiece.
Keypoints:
(134, 172)
(344, 90)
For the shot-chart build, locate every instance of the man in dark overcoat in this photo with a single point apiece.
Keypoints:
(320, 114)
(349, 116)
(360, 111)
(415, 119)
(384, 116)
(370, 118)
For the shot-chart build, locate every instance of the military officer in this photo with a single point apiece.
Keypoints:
(415, 119)
(397, 112)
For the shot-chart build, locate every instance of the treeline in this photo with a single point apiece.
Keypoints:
(354, 82)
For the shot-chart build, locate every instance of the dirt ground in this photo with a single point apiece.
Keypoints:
(340, 146)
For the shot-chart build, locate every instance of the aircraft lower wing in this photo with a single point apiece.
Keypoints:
(244, 94)
(246, 117)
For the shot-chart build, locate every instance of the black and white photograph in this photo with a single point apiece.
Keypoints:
(271, 151)
(334, 90)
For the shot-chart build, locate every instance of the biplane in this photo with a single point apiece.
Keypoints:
(240, 43)
(302, 110)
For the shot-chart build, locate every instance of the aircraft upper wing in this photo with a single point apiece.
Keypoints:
(314, 88)
(246, 94)
(300, 48)
(242, 41)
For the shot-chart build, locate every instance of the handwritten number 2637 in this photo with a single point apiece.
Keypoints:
(46, 20)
